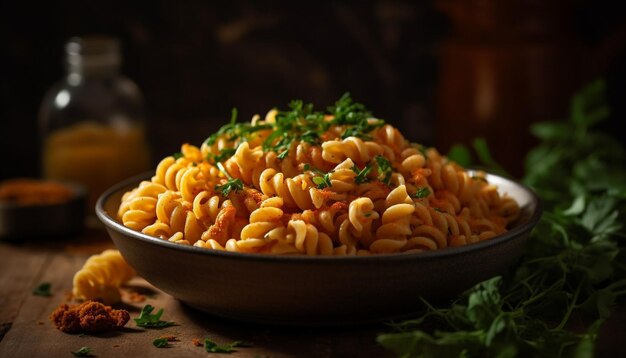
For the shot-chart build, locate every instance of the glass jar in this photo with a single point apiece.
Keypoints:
(92, 122)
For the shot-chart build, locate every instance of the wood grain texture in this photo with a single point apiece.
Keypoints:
(19, 272)
(29, 332)
(33, 335)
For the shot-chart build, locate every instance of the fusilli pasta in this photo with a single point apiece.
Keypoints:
(313, 183)
(101, 277)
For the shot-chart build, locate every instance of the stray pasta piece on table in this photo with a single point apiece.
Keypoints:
(101, 276)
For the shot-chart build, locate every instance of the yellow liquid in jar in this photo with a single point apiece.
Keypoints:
(95, 155)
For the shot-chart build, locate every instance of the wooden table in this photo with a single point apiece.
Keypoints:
(26, 331)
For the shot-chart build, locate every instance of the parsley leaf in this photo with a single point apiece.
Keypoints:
(384, 169)
(359, 118)
(361, 175)
(223, 155)
(161, 342)
(230, 185)
(421, 193)
(148, 320)
(322, 180)
(224, 129)
(83, 352)
(212, 347)
(236, 131)
(310, 137)
(301, 123)
(43, 289)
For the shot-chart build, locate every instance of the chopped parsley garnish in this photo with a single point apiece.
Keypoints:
(322, 180)
(43, 290)
(300, 123)
(361, 175)
(384, 169)
(223, 155)
(231, 185)
(225, 129)
(421, 193)
(235, 130)
(162, 342)
(83, 352)
(177, 155)
(212, 347)
(348, 112)
(310, 137)
(148, 320)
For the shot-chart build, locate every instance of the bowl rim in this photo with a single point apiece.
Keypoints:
(516, 232)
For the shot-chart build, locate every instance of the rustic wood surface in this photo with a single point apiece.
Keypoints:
(26, 331)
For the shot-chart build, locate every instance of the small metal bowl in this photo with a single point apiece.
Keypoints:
(19, 222)
(306, 290)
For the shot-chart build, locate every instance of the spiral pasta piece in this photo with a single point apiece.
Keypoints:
(101, 277)
(303, 182)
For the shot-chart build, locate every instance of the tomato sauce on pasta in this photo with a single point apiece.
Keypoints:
(299, 181)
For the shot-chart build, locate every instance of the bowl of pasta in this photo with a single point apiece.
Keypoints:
(307, 217)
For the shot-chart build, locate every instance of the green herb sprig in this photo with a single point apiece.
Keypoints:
(43, 289)
(421, 193)
(212, 347)
(348, 112)
(299, 123)
(231, 185)
(361, 174)
(236, 131)
(148, 320)
(572, 266)
(322, 180)
(83, 352)
(162, 342)
(222, 156)
(384, 169)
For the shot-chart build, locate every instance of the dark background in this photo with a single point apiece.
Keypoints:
(443, 72)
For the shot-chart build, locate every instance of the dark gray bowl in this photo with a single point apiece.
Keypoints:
(315, 290)
(44, 221)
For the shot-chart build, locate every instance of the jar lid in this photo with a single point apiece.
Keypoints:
(93, 53)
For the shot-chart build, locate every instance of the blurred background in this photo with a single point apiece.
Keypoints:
(443, 72)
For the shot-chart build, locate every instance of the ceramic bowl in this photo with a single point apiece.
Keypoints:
(44, 221)
(298, 290)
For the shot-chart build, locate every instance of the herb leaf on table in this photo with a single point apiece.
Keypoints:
(43, 289)
(148, 320)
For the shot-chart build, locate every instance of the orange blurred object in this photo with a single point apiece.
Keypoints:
(506, 65)
(25, 191)
(92, 121)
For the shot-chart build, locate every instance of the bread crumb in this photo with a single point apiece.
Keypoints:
(136, 297)
(196, 342)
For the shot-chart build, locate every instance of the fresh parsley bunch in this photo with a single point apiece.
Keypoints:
(573, 265)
